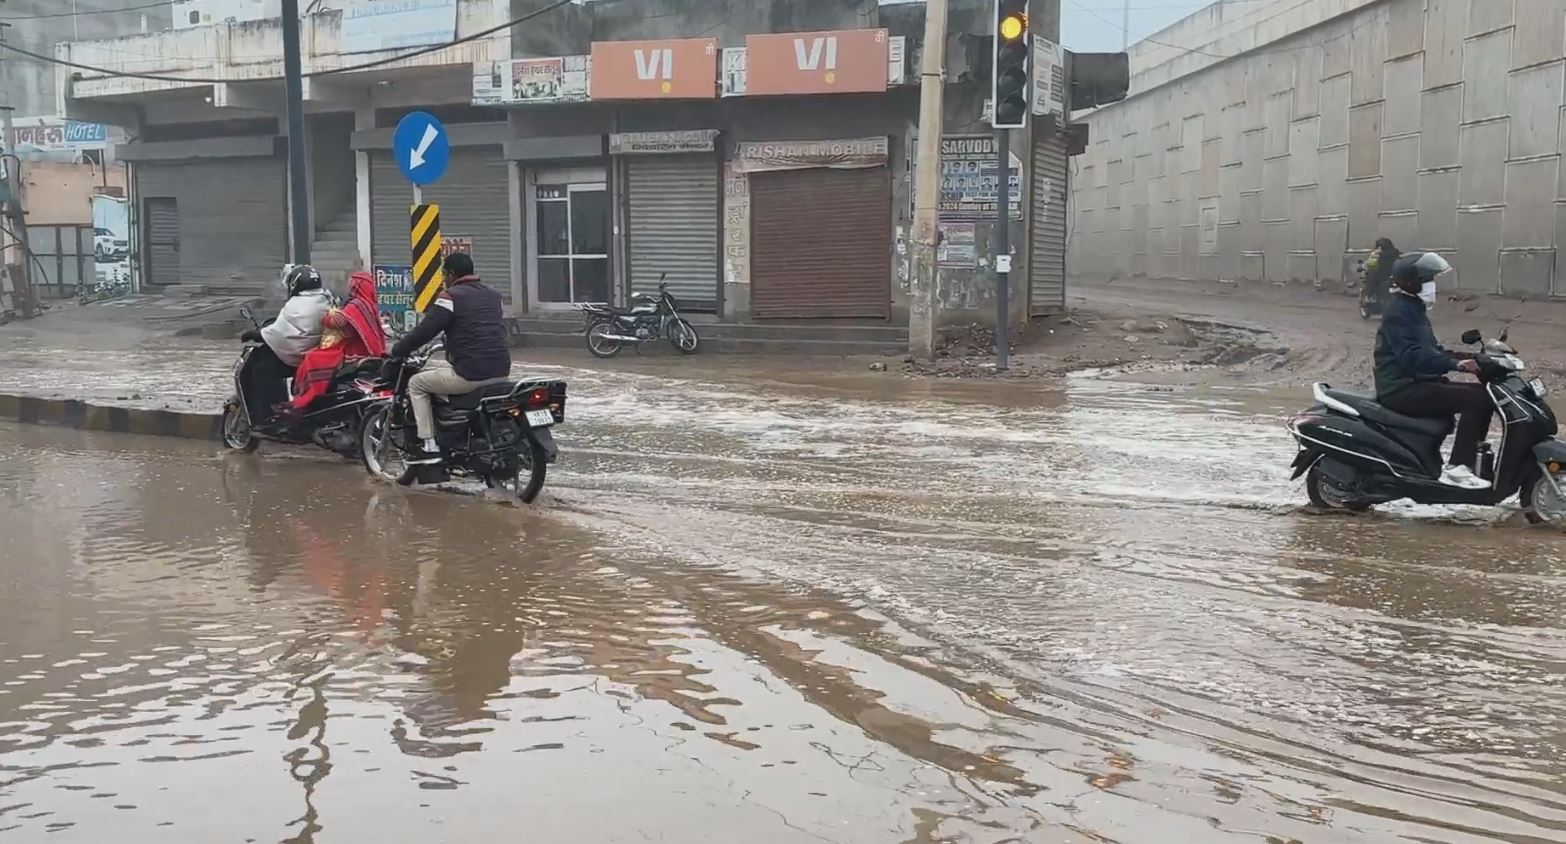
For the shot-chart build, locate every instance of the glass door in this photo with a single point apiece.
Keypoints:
(573, 242)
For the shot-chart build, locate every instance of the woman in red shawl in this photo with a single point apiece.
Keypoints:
(352, 332)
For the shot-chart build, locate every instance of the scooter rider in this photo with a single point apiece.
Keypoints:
(1411, 367)
(470, 313)
(289, 337)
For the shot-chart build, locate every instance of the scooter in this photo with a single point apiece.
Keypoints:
(1370, 297)
(1355, 453)
(332, 421)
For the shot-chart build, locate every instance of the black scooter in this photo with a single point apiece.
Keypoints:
(1354, 453)
(332, 421)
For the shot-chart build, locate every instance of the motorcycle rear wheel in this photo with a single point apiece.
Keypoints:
(529, 481)
(378, 447)
(1326, 495)
(1541, 504)
(237, 433)
(599, 344)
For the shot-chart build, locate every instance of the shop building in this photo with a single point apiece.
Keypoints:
(761, 175)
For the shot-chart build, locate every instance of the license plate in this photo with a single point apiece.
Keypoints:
(1538, 387)
(540, 418)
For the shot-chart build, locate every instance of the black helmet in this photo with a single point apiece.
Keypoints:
(301, 278)
(1414, 269)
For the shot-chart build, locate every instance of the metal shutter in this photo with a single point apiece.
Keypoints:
(1047, 227)
(474, 200)
(162, 240)
(230, 223)
(821, 243)
(674, 226)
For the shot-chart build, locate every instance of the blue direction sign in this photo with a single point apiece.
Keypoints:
(422, 148)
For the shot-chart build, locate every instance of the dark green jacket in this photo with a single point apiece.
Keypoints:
(1406, 347)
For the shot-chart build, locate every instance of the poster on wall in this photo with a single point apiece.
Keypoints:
(530, 81)
(394, 294)
(969, 178)
(959, 246)
(111, 245)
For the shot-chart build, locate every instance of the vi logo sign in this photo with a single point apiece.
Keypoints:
(656, 64)
(817, 54)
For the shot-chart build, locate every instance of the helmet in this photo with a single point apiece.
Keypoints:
(301, 278)
(1416, 269)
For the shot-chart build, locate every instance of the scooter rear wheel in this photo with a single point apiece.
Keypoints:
(1327, 495)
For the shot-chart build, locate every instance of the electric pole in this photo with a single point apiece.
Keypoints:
(927, 184)
(1125, 26)
(298, 181)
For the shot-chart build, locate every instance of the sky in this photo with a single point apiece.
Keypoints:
(1094, 26)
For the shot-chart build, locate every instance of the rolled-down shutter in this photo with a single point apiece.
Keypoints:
(474, 200)
(674, 227)
(162, 240)
(821, 243)
(1047, 227)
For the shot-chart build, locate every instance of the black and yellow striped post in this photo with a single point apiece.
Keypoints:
(424, 233)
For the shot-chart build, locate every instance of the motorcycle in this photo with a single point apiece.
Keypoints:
(1355, 453)
(649, 318)
(331, 422)
(498, 433)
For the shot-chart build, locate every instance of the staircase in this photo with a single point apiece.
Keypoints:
(336, 249)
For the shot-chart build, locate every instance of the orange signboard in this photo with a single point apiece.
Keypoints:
(841, 62)
(654, 70)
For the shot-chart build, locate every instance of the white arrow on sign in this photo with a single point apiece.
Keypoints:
(416, 158)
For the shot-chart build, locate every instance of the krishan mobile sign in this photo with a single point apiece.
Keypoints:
(651, 70)
(836, 62)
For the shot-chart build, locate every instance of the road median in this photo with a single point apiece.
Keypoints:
(92, 416)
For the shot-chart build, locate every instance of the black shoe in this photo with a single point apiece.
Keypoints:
(431, 470)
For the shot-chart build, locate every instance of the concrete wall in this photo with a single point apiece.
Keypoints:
(331, 167)
(1437, 123)
(60, 193)
(29, 84)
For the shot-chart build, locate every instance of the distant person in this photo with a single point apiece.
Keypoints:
(1378, 267)
(471, 315)
(1411, 367)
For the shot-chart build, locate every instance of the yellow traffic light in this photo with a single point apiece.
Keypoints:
(1012, 26)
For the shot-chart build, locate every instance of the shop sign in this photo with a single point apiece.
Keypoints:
(959, 246)
(651, 70)
(735, 61)
(531, 81)
(656, 143)
(850, 154)
(370, 26)
(1049, 79)
(394, 295)
(835, 62)
(969, 180)
(736, 226)
(50, 135)
(456, 243)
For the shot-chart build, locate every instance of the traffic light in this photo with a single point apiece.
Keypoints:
(1009, 73)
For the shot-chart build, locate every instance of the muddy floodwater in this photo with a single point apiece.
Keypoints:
(771, 608)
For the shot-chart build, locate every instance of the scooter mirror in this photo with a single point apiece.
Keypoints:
(1505, 331)
(1472, 336)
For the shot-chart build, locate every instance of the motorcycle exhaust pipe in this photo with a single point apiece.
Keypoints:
(621, 338)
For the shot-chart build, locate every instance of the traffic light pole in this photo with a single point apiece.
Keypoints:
(298, 178)
(1003, 250)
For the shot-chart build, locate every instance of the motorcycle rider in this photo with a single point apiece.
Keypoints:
(289, 337)
(1411, 367)
(470, 313)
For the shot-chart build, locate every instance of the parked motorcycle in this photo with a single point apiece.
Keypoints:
(499, 434)
(1355, 453)
(649, 318)
(331, 422)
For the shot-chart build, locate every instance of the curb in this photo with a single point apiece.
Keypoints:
(85, 416)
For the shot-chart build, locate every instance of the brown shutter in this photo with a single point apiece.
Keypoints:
(821, 243)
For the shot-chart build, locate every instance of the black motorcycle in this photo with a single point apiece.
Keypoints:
(649, 318)
(499, 433)
(1355, 453)
(331, 421)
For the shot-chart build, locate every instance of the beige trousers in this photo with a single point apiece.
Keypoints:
(437, 378)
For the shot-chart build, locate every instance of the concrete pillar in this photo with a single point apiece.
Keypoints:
(518, 215)
(363, 118)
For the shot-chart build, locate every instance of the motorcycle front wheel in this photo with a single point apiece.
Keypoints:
(236, 428)
(1325, 494)
(1542, 504)
(378, 446)
(598, 341)
(683, 335)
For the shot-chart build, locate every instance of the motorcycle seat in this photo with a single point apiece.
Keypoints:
(1370, 409)
(497, 388)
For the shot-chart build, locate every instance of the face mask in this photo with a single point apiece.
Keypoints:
(1427, 294)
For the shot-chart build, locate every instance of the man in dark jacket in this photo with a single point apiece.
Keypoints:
(470, 313)
(1411, 367)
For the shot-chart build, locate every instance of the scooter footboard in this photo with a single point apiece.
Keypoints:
(1356, 444)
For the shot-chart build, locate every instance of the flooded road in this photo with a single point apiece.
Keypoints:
(780, 608)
